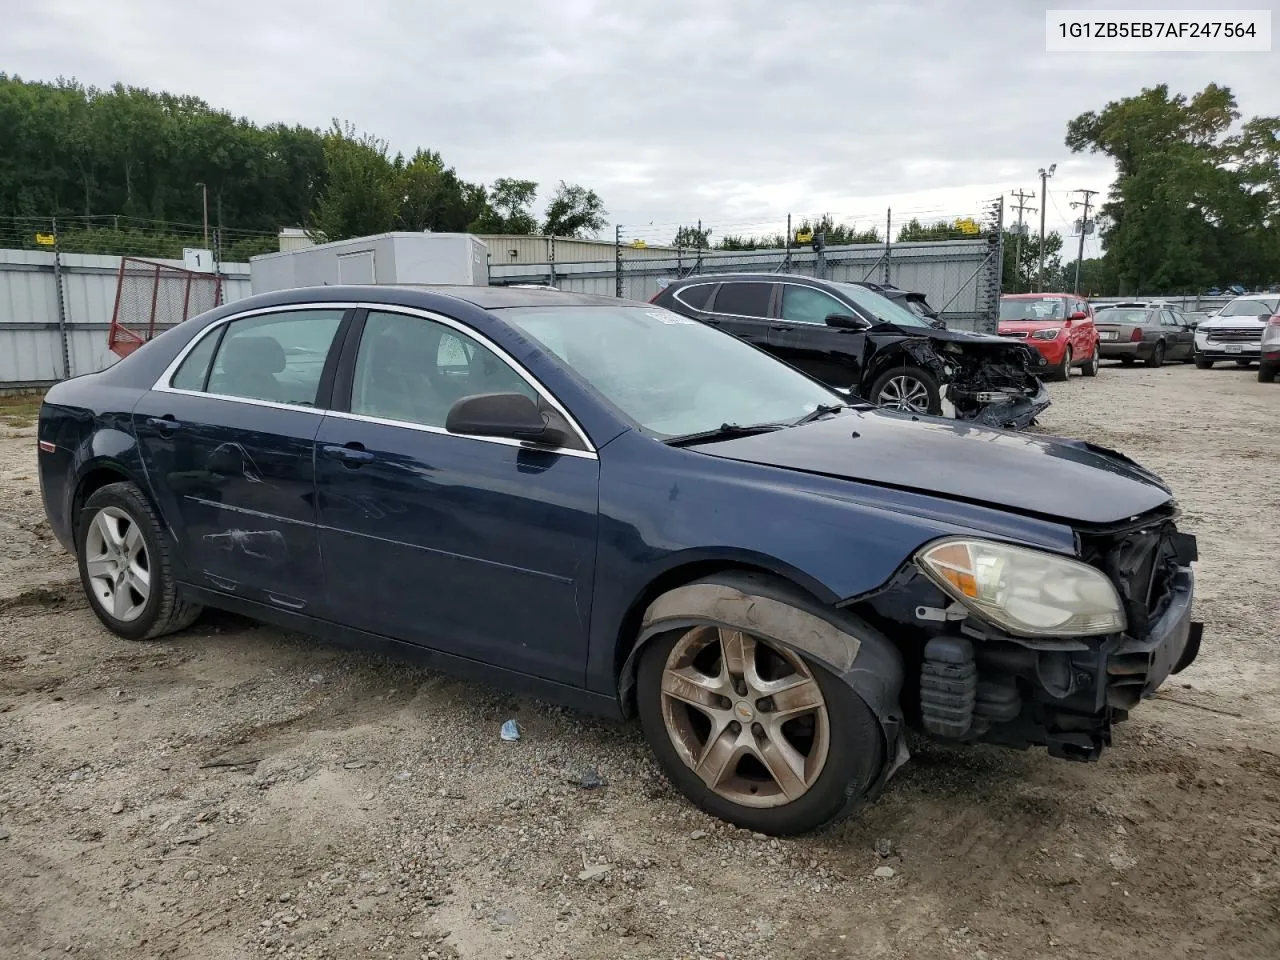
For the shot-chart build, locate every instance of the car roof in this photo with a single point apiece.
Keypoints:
(759, 277)
(1255, 296)
(1036, 296)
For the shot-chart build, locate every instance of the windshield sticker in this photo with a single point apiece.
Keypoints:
(666, 316)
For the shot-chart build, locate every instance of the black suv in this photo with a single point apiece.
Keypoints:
(850, 337)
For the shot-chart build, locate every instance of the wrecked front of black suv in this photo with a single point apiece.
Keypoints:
(993, 385)
(1017, 647)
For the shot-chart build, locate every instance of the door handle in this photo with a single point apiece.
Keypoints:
(166, 425)
(350, 454)
(711, 322)
(780, 327)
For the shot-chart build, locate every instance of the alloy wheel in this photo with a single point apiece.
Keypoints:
(747, 717)
(118, 565)
(904, 392)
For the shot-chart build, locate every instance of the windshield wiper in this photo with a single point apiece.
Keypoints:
(726, 431)
(821, 410)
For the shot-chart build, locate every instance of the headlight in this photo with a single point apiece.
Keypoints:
(1051, 334)
(1026, 592)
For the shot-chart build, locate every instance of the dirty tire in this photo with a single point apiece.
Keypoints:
(1090, 368)
(855, 753)
(163, 611)
(1062, 371)
(1157, 356)
(907, 374)
(1267, 372)
(1202, 364)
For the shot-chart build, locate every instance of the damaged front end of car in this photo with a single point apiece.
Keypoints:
(978, 680)
(995, 385)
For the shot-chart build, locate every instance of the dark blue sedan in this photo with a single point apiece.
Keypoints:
(609, 505)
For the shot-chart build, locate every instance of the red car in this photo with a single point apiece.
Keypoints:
(1059, 325)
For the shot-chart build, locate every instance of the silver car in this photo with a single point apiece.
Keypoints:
(1235, 333)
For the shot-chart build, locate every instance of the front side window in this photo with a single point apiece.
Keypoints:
(744, 299)
(278, 357)
(412, 369)
(807, 305)
(668, 374)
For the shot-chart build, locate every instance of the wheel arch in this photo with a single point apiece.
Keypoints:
(779, 610)
(95, 475)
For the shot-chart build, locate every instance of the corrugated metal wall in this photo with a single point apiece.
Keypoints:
(31, 341)
(959, 277)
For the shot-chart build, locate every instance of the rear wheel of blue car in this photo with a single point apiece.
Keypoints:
(126, 566)
(753, 732)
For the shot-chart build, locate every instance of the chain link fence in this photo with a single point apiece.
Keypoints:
(960, 278)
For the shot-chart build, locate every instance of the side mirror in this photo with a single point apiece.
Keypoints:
(510, 415)
(1079, 315)
(844, 321)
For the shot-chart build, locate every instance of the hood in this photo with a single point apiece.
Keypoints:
(1027, 325)
(1066, 480)
(1242, 321)
(985, 345)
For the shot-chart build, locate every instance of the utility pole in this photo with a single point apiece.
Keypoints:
(888, 236)
(1084, 226)
(1044, 199)
(617, 262)
(204, 202)
(787, 261)
(1018, 231)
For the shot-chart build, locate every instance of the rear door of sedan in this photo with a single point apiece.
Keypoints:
(479, 547)
(226, 440)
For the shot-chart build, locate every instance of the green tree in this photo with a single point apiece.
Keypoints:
(1192, 205)
(362, 195)
(692, 237)
(1020, 274)
(574, 211)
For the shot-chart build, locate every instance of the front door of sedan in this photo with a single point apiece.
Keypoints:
(479, 547)
(226, 443)
(800, 336)
(741, 307)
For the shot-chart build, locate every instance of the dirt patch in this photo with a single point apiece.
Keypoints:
(237, 791)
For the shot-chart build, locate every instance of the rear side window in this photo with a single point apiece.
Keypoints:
(276, 356)
(194, 370)
(744, 299)
(696, 295)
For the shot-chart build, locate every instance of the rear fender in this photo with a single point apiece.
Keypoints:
(781, 613)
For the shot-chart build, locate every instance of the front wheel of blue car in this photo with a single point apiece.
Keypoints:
(753, 732)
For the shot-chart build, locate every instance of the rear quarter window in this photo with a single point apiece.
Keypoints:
(695, 295)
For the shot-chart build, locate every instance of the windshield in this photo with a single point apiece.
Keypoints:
(882, 308)
(1251, 308)
(1044, 308)
(668, 374)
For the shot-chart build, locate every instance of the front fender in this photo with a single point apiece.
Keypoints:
(779, 612)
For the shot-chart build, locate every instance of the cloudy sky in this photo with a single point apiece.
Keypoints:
(733, 111)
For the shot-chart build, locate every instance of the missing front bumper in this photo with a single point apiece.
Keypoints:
(1011, 409)
(1063, 695)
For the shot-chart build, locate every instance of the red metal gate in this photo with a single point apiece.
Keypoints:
(152, 297)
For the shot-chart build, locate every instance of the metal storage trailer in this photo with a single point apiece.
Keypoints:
(386, 258)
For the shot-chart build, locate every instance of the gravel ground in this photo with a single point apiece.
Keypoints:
(236, 791)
